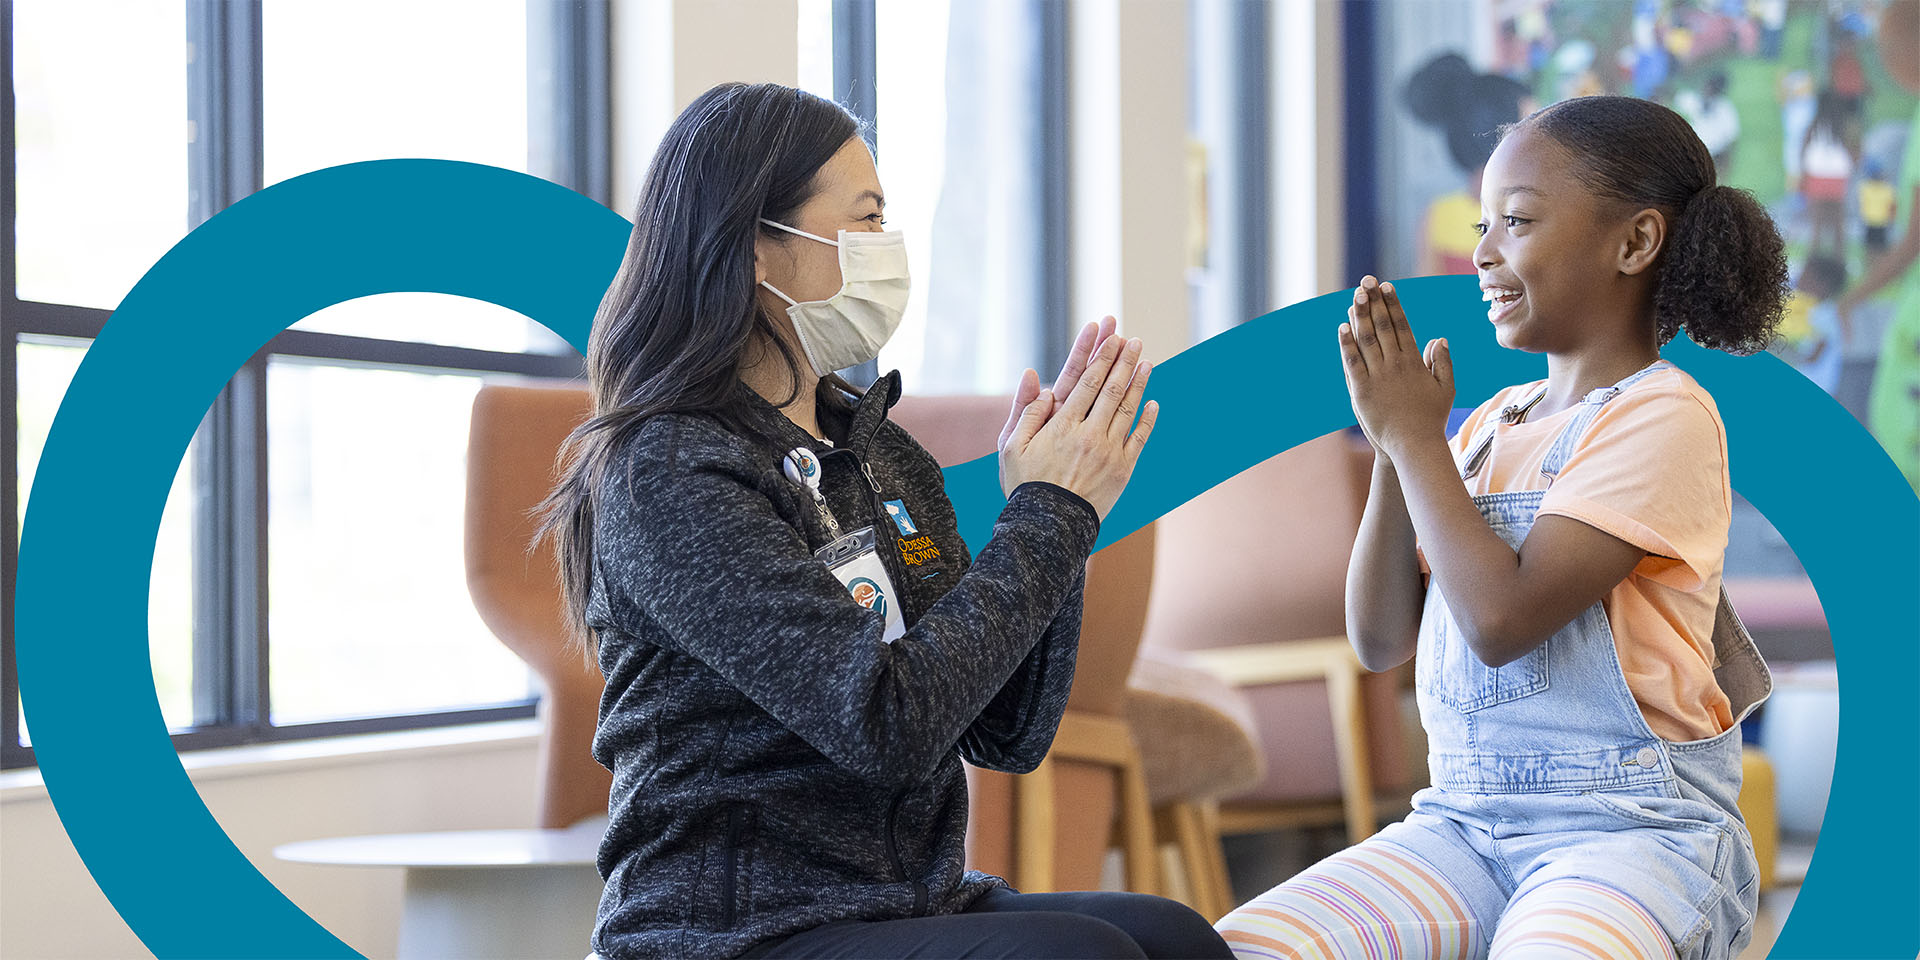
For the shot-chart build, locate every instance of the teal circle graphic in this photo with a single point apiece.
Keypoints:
(528, 245)
(87, 544)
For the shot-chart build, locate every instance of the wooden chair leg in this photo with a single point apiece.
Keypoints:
(1200, 860)
(1033, 812)
(1216, 861)
(1136, 815)
(1350, 746)
(1108, 742)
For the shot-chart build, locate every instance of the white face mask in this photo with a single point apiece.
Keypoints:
(848, 328)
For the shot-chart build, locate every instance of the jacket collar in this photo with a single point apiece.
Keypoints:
(837, 402)
(868, 410)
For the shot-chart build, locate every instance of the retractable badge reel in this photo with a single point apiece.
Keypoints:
(802, 468)
(853, 558)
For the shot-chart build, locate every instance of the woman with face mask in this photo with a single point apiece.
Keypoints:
(799, 650)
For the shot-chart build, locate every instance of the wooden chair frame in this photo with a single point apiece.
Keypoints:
(1094, 739)
(1328, 659)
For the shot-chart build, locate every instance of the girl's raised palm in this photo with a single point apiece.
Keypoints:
(1398, 391)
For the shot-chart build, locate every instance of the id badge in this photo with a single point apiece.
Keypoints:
(854, 560)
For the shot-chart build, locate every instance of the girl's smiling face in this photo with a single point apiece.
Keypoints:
(1549, 251)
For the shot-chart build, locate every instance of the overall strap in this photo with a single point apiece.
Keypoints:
(1483, 444)
(1590, 407)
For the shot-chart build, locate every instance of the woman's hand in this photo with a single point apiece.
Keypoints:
(1398, 393)
(1089, 444)
(1091, 336)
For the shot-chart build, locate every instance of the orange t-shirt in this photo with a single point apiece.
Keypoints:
(1651, 469)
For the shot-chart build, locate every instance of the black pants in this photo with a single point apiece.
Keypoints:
(1020, 926)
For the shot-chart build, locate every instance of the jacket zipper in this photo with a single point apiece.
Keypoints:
(893, 853)
(898, 576)
(728, 881)
(883, 530)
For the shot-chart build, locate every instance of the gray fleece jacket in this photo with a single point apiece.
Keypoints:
(777, 766)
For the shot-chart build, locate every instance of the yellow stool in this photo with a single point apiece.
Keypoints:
(1757, 805)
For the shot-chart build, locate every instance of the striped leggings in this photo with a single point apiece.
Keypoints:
(1382, 901)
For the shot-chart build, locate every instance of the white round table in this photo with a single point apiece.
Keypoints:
(482, 894)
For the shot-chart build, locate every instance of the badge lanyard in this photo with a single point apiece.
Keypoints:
(802, 467)
(853, 558)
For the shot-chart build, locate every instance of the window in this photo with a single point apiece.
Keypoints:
(360, 559)
(1229, 122)
(88, 224)
(978, 185)
(815, 32)
(45, 366)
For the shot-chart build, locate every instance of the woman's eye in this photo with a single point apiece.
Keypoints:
(877, 218)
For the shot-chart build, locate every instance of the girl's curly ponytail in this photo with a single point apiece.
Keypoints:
(1723, 268)
(1723, 275)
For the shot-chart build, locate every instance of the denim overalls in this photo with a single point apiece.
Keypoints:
(1544, 768)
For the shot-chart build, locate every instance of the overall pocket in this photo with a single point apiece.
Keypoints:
(1461, 680)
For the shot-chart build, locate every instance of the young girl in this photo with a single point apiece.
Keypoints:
(1581, 676)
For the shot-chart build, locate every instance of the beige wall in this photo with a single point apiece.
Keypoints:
(1130, 203)
(469, 778)
(666, 52)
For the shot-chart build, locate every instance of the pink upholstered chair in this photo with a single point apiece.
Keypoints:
(1050, 829)
(1181, 730)
(1251, 586)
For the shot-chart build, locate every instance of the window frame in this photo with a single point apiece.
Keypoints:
(1049, 157)
(569, 135)
(1229, 61)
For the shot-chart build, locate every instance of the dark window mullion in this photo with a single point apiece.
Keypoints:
(253, 695)
(12, 754)
(235, 736)
(55, 319)
(8, 171)
(395, 353)
(224, 165)
(855, 64)
(1250, 172)
(855, 77)
(1052, 164)
(213, 683)
(1359, 32)
(569, 120)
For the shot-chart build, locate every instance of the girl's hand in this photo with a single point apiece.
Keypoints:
(1088, 443)
(1398, 394)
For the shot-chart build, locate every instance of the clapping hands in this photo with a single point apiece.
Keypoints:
(1086, 441)
(1399, 392)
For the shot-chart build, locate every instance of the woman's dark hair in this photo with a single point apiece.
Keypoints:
(673, 330)
(1723, 270)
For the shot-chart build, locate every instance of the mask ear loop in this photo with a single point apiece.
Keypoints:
(776, 292)
(781, 226)
(803, 233)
